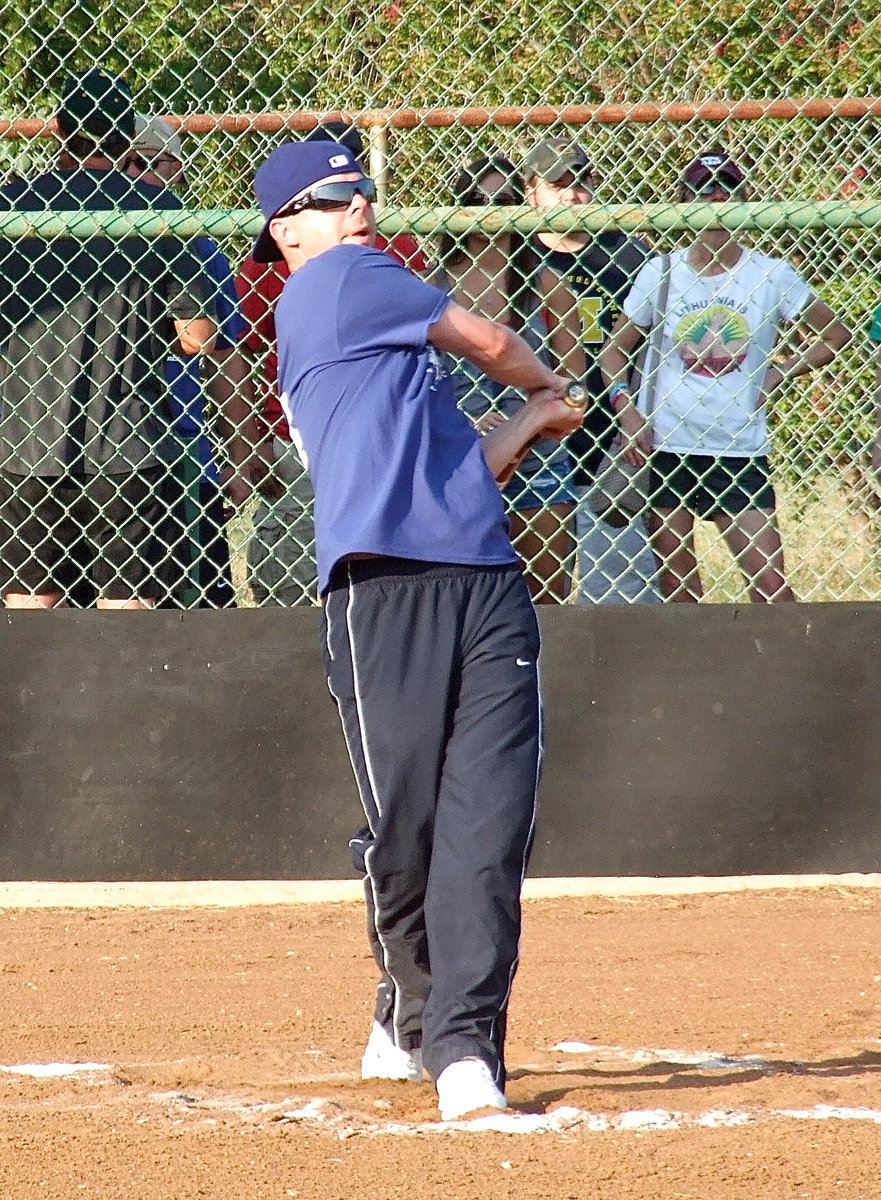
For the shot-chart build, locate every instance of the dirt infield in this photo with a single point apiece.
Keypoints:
(672, 1047)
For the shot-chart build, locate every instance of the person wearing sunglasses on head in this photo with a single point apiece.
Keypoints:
(707, 434)
(430, 639)
(615, 563)
(501, 278)
(281, 551)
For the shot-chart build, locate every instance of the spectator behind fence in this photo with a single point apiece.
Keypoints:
(85, 329)
(281, 553)
(198, 573)
(707, 439)
(615, 562)
(500, 277)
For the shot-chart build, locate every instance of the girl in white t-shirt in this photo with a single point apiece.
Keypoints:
(705, 425)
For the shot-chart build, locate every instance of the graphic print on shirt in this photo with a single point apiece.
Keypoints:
(435, 369)
(712, 341)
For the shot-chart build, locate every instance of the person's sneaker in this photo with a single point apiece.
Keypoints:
(384, 1060)
(466, 1086)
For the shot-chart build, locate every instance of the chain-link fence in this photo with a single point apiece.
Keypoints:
(124, 465)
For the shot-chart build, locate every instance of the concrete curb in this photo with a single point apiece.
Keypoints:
(199, 893)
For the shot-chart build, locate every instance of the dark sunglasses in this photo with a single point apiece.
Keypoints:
(724, 182)
(477, 198)
(332, 197)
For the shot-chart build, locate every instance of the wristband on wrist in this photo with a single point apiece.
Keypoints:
(619, 389)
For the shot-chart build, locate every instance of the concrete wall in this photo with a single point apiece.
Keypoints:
(710, 740)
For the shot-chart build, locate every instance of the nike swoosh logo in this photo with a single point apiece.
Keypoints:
(523, 662)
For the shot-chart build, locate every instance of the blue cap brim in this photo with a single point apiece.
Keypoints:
(266, 247)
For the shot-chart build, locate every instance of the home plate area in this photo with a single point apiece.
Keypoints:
(660, 1047)
(344, 1112)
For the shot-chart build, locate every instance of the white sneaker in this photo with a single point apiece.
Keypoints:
(384, 1060)
(465, 1086)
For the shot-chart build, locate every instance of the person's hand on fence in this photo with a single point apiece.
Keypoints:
(636, 437)
(261, 471)
(237, 488)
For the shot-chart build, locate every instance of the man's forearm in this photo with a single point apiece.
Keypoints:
(543, 415)
(229, 385)
(493, 348)
(507, 445)
(514, 364)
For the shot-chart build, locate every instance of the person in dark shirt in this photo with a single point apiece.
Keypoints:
(615, 564)
(86, 326)
(213, 394)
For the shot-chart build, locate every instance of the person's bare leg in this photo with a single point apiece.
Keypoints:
(132, 602)
(543, 539)
(37, 600)
(754, 539)
(672, 538)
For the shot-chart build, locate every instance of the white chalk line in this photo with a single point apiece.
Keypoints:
(333, 1117)
(320, 1113)
(705, 1060)
(206, 893)
(56, 1070)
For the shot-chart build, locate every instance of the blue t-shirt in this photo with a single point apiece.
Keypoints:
(397, 468)
(184, 374)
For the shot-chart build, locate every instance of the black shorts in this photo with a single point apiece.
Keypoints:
(708, 486)
(54, 531)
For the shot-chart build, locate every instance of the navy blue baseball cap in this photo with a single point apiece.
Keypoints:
(99, 105)
(292, 169)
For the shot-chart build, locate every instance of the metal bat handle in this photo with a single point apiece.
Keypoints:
(576, 395)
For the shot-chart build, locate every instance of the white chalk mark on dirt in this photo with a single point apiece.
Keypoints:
(56, 1070)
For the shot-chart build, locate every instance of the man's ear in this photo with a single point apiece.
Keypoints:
(280, 229)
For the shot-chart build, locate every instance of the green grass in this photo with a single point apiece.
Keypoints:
(832, 548)
(832, 551)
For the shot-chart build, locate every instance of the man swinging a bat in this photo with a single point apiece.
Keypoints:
(430, 638)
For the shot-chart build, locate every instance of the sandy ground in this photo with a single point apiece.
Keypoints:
(672, 1047)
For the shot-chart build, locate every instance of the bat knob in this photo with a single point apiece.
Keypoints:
(576, 395)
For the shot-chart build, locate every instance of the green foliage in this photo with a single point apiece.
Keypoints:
(191, 55)
(182, 57)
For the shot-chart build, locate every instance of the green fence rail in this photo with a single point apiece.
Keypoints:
(662, 217)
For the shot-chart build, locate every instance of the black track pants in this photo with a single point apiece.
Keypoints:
(434, 671)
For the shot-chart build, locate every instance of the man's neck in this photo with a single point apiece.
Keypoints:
(565, 243)
(293, 257)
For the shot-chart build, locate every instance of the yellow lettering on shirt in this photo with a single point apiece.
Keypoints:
(590, 310)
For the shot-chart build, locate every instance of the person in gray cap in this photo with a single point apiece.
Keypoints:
(198, 573)
(157, 148)
(615, 563)
(85, 327)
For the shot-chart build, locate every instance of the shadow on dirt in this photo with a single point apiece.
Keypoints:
(669, 1076)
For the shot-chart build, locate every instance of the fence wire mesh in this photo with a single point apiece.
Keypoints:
(129, 468)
